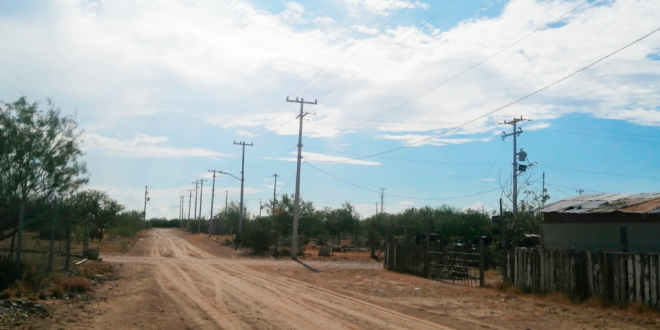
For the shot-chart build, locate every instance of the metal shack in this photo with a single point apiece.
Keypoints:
(603, 222)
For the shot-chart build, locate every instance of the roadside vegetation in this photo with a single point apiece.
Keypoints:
(43, 204)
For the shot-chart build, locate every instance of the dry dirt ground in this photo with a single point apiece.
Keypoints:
(174, 280)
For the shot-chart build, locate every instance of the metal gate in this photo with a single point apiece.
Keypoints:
(454, 267)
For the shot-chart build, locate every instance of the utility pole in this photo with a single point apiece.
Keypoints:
(580, 191)
(196, 182)
(240, 210)
(516, 156)
(382, 198)
(181, 201)
(212, 194)
(189, 202)
(274, 193)
(296, 207)
(260, 207)
(146, 199)
(226, 199)
(199, 218)
(376, 207)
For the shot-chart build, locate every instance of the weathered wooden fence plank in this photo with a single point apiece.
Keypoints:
(638, 278)
(653, 269)
(631, 278)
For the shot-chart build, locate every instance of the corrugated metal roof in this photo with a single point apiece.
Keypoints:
(606, 203)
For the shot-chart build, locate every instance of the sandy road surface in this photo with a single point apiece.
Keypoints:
(225, 293)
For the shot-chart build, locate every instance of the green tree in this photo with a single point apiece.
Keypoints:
(39, 159)
(342, 220)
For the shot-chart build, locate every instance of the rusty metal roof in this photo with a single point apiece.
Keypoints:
(606, 203)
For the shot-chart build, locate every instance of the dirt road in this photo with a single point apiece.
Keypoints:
(224, 293)
(174, 280)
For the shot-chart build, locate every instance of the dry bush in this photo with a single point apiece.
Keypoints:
(509, 288)
(6, 294)
(76, 284)
(558, 297)
(595, 302)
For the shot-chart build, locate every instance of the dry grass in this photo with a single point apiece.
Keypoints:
(558, 297)
(76, 284)
(508, 288)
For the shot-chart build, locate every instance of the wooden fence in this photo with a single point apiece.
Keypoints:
(614, 277)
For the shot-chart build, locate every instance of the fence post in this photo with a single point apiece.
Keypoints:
(19, 243)
(67, 260)
(51, 247)
(482, 281)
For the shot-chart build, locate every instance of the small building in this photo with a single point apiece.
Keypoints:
(603, 222)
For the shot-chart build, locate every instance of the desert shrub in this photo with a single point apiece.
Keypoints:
(76, 284)
(257, 235)
(7, 266)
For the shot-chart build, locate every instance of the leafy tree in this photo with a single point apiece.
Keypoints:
(39, 159)
(342, 220)
(99, 207)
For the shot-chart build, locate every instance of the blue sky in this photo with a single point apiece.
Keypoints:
(163, 89)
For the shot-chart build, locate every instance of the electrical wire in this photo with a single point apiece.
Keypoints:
(388, 51)
(599, 173)
(513, 102)
(605, 130)
(364, 45)
(394, 195)
(472, 67)
(603, 137)
(556, 185)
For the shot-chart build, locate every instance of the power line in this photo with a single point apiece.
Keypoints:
(393, 195)
(605, 130)
(472, 67)
(364, 45)
(604, 137)
(388, 51)
(511, 103)
(401, 159)
(600, 173)
(556, 185)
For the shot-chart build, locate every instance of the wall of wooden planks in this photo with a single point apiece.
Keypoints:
(615, 277)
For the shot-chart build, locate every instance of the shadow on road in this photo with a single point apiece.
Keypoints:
(308, 267)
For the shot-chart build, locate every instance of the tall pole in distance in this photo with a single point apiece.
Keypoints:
(240, 210)
(199, 218)
(260, 207)
(296, 208)
(274, 193)
(146, 198)
(516, 132)
(226, 200)
(580, 191)
(189, 203)
(382, 199)
(212, 193)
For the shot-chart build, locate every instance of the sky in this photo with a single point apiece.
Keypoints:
(410, 96)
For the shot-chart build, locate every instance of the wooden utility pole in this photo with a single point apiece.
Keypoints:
(240, 210)
(296, 207)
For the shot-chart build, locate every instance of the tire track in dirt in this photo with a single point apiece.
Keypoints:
(330, 300)
(224, 293)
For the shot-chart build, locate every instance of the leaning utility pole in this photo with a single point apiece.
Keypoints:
(516, 132)
(240, 210)
(296, 207)
(382, 199)
(146, 198)
(212, 193)
(580, 191)
(201, 191)
(274, 193)
(189, 203)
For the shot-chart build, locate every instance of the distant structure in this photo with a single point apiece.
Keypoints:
(603, 222)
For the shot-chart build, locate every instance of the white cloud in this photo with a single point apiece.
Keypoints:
(142, 146)
(246, 133)
(314, 157)
(378, 6)
(537, 126)
(413, 138)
